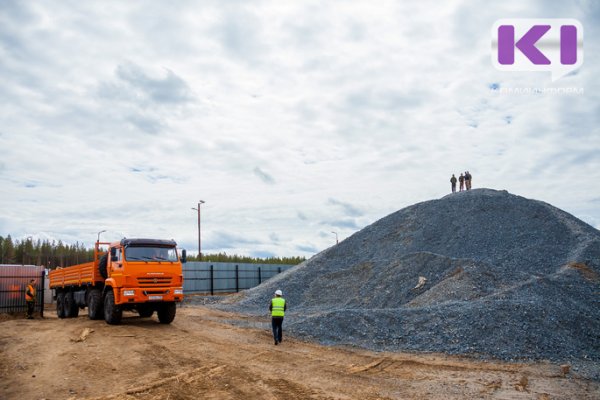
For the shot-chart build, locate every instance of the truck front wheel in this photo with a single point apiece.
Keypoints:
(60, 304)
(94, 304)
(102, 266)
(112, 312)
(166, 313)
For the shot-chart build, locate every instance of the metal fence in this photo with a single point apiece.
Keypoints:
(13, 284)
(198, 278)
(216, 278)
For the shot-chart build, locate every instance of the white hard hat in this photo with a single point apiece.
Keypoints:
(278, 293)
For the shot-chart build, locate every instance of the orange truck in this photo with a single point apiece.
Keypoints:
(141, 275)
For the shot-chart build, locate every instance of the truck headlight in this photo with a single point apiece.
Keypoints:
(178, 291)
(128, 292)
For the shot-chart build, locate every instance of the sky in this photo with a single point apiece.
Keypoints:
(293, 120)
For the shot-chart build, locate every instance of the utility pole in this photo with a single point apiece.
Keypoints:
(199, 234)
(336, 237)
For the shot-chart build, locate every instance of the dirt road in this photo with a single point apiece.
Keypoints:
(202, 355)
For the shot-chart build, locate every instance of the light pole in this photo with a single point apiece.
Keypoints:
(98, 240)
(199, 235)
(336, 237)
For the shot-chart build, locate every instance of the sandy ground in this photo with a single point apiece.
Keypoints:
(202, 355)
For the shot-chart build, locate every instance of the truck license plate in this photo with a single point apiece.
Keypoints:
(155, 297)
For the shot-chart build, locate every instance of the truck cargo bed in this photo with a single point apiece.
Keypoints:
(76, 275)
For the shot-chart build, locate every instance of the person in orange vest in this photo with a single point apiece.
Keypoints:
(277, 308)
(30, 294)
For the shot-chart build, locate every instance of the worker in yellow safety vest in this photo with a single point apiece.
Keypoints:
(30, 294)
(277, 308)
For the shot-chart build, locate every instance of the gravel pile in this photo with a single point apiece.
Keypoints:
(506, 277)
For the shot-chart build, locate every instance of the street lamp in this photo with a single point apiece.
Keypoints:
(199, 236)
(99, 235)
(336, 237)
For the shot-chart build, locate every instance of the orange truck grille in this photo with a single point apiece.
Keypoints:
(151, 281)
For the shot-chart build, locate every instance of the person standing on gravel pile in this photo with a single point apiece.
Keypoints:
(461, 180)
(453, 183)
(277, 308)
(468, 180)
(30, 298)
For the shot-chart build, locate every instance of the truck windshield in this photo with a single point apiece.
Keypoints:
(150, 253)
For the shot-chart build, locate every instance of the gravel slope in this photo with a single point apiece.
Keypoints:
(507, 277)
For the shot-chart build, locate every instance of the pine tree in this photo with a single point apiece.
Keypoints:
(8, 251)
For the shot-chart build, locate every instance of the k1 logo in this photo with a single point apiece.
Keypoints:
(554, 45)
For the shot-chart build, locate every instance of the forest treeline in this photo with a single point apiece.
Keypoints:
(234, 258)
(54, 254)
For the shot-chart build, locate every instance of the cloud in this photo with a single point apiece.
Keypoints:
(146, 124)
(310, 249)
(147, 100)
(302, 216)
(153, 175)
(170, 89)
(263, 176)
(347, 208)
(224, 240)
(345, 223)
(12, 16)
(239, 32)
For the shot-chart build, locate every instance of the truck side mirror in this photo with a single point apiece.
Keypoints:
(183, 256)
(113, 253)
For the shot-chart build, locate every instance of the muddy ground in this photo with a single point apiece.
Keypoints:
(209, 354)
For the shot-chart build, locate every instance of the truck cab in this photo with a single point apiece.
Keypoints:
(144, 275)
(144, 270)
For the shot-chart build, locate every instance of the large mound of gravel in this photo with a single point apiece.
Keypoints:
(507, 277)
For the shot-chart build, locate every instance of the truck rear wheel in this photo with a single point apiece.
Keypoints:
(112, 312)
(60, 304)
(94, 303)
(166, 313)
(71, 308)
